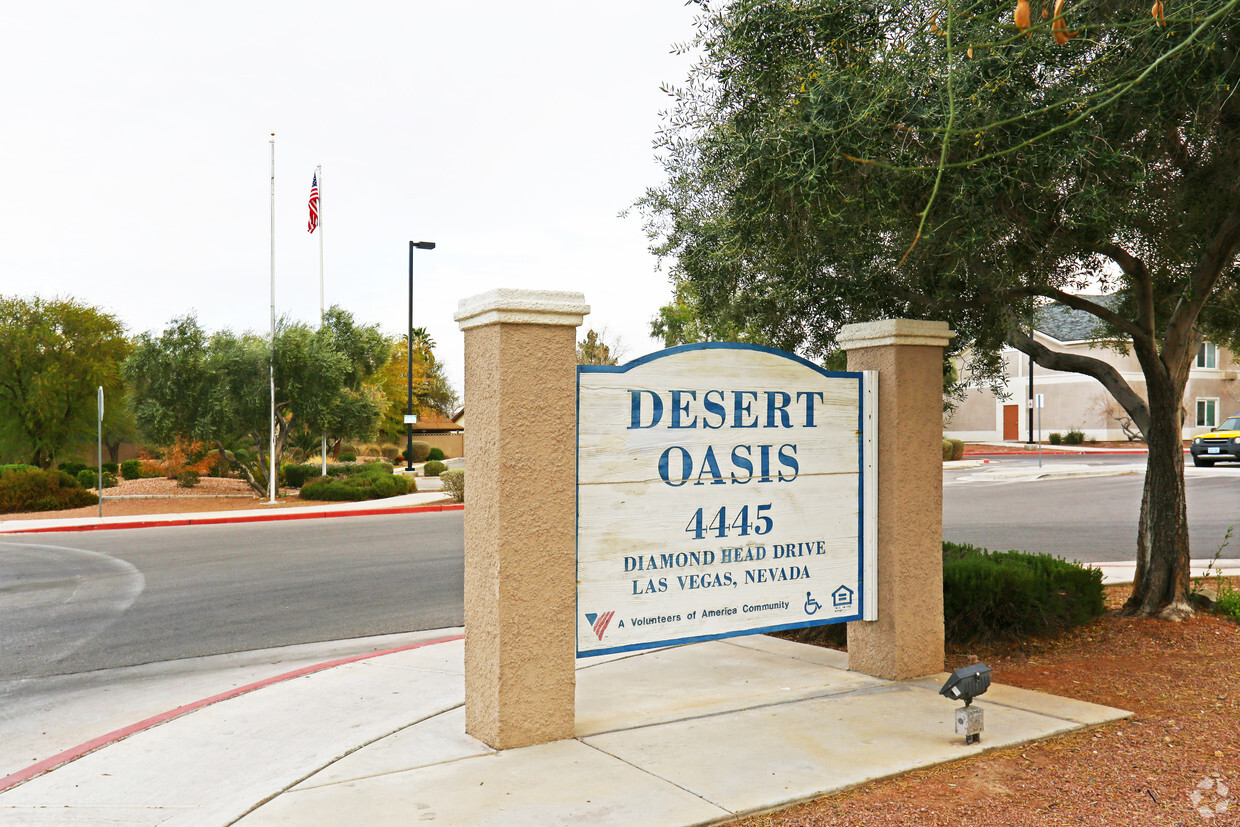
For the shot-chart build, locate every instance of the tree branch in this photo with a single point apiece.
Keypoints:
(1218, 254)
(1088, 365)
(1142, 280)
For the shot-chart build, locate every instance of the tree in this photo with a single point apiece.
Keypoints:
(834, 162)
(54, 354)
(217, 389)
(594, 349)
(431, 389)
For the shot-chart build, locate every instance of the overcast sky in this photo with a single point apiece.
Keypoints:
(137, 163)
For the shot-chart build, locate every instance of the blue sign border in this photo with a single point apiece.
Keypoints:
(673, 351)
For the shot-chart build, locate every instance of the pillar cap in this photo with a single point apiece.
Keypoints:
(506, 305)
(886, 332)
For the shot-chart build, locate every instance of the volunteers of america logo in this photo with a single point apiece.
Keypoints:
(599, 622)
(1211, 797)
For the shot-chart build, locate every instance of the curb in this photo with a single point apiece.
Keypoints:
(249, 518)
(74, 753)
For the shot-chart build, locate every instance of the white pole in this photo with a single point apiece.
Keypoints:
(271, 368)
(99, 451)
(322, 304)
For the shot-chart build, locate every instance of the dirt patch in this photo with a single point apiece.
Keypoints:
(1180, 752)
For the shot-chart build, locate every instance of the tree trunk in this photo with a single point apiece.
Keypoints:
(1160, 587)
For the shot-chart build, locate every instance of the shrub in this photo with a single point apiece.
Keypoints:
(111, 468)
(1074, 437)
(347, 456)
(1009, 595)
(421, 451)
(72, 467)
(389, 452)
(89, 478)
(37, 490)
(454, 483)
(347, 448)
(369, 450)
(953, 449)
(131, 469)
(295, 476)
(371, 485)
(188, 478)
(1055, 438)
(433, 468)
(435, 454)
(19, 466)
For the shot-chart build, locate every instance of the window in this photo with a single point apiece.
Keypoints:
(1207, 357)
(1207, 413)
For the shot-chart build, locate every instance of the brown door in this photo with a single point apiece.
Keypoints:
(1011, 422)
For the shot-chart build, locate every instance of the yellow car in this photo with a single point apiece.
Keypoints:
(1223, 443)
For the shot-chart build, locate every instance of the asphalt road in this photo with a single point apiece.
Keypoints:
(1085, 519)
(74, 602)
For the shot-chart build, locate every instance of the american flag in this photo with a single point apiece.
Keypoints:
(314, 203)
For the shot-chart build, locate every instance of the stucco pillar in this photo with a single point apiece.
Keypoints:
(520, 567)
(907, 639)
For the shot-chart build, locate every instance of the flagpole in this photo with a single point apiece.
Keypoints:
(271, 367)
(322, 306)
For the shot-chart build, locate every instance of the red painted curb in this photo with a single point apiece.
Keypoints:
(59, 760)
(251, 518)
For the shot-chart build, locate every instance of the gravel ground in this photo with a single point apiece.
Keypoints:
(1177, 762)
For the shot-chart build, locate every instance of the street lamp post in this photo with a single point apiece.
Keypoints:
(418, 245)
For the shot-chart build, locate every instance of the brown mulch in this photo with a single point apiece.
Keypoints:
(1180, 752)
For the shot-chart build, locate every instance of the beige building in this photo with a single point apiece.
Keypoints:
(1072, 400)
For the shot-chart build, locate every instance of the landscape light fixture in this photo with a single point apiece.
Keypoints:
(409, 415)
(965, 684)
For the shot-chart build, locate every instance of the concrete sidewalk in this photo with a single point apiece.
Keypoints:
(687, 735)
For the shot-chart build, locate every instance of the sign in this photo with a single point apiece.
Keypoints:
(720, 492)
(1041, 401)
(411, 419)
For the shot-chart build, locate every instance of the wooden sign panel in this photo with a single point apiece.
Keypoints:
(720, 491)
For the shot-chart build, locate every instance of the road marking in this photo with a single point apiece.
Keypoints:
(69, 755)
(111, 593)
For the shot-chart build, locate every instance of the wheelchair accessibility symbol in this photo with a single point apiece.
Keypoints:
(811, 605)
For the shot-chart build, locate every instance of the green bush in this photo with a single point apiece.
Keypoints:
(37, 490)
(72, 467)
(1074, 437)
(347, 456)
(1055, 438)
(131, 469)
(953, 449)
(295, 476)
(421, 451)
(18, 466)
(89, 478)
(454, 483)
(373, 485)
(433, 468)
(435, 454)
(111, 468)
(1009, 595)
(188, 478)
(389, 452)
